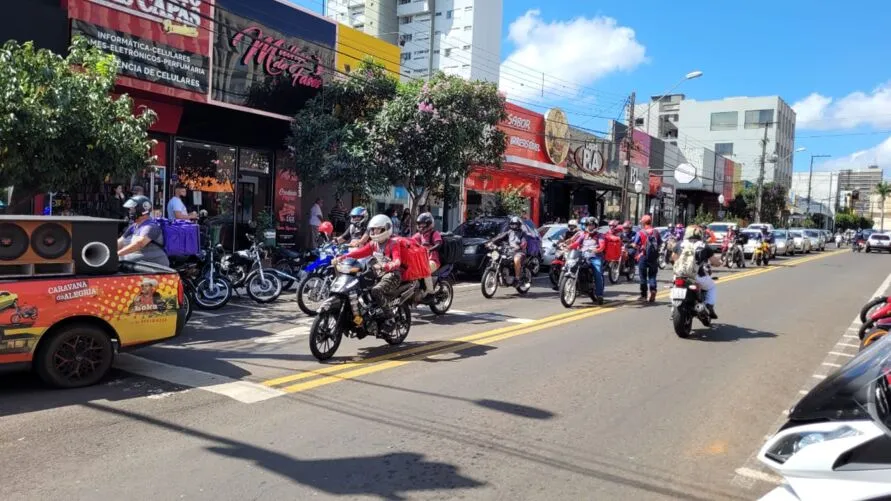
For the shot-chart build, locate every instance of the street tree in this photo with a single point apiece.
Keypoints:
(60, 127)
(329, 136)
(431, 133)
(883, 189)
(773, 202)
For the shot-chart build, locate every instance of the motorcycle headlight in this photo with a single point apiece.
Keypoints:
(346, 269)
(796, 442)
(471, 249)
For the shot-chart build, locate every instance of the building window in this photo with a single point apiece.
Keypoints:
(448, 52)
(450, 14)
(421, 54)
(468, 28)
(438, 14)
(405, 56)
(404, 19)
(755, 119)
(436, 51)
(407, 37)
(403, 2)
(468, 8)
(725, 120)
(725, 149)
(638, 121)
(466, 47)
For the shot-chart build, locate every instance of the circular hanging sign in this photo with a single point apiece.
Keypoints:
(638, 186)
(556, 135)
(721, 199)
(684, 173)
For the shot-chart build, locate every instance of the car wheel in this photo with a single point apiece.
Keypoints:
(75, 356)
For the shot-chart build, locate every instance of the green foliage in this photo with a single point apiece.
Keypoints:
(773, 203)
(865, 223)
(60, 128)
(509, 202)
(808, 223)
(263, 221)
(846, 221)
(703, 216)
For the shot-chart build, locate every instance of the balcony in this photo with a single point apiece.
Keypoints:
(413, 8)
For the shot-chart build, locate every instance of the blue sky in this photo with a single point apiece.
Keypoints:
(830, 59)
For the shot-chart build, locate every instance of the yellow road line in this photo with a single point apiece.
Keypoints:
(351, 370)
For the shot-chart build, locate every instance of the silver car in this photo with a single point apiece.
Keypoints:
(550, 235)
(818, 241)
(801, 241)
(785, 245)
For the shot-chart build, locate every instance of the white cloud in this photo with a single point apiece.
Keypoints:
(857, 108)
(879, 154)
(570, 54)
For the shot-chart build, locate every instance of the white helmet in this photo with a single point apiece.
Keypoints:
(380, 228)
(573, 223)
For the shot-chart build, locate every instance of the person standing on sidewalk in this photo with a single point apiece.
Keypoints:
(647, 242)
(338, 216)
(315, 220)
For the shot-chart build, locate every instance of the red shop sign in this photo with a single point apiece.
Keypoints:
(525, 134)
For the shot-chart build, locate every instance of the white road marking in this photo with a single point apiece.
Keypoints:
(800, 392)
(830, 364)
(851, 336)
(849, 345)
(759, 475)
(241, 391)
(818, 376)
(460, 312)
(520, 320)
(840, 354)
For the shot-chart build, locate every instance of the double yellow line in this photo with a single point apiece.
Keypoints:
(308, 380)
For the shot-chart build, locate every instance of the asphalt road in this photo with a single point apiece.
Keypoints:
(510, 398)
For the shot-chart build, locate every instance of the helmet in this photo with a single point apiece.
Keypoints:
(646, 219)
(613, 223)
(380, 228)
(591, 224)
(358, 215)
(616, 230)
(572, 224)
(139, 205)
(693, 232)
(326, 227)
(626, 225)
(515, 223)
(425, 222)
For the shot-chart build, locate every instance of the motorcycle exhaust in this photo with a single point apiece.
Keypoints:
(700, 309)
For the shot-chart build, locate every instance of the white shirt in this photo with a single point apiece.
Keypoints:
(315, 215)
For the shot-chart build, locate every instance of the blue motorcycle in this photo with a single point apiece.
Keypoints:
(315, 279)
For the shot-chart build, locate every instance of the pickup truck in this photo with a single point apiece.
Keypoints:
(68, 329)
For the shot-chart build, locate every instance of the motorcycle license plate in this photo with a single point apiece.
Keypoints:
(678, 293)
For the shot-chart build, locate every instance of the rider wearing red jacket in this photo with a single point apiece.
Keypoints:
(387, 249)
(430, 239)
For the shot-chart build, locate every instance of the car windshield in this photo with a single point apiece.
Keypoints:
(752, 234)
(554, 232)
(721, 228)
(795, 234)
(479, 228)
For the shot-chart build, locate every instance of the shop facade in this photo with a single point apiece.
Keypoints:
(536, 151)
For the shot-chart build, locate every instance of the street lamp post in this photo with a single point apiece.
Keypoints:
(810, 177)
(689, 76)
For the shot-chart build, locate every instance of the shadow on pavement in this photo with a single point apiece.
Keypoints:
(390, 476)
(728, 333)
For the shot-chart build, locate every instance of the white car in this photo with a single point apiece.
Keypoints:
(818, 242)
(720, 231)
(802, 242)
(878, 242)
(550, 235)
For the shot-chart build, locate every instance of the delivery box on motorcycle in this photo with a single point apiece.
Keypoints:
(415, 264)
(451, 250)
(613, 251)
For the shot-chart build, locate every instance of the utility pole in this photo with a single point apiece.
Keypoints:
(432, 40)
(810, 177)
(760, 185)
(629, 144)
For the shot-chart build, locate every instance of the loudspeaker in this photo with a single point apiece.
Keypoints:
(46, 245)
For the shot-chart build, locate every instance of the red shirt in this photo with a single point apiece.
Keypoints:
(431, 239)
(391, 250)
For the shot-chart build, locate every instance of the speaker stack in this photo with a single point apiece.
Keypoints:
(45, 246)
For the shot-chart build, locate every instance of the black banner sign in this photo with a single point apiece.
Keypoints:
(148, 60)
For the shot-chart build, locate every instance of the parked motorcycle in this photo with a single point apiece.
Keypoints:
(687, 303)
(290, 262)
(204, 286)
(245, 268)
(350, 311)
(499, 271)
(835, 442)
(578, 276)
(316, 278)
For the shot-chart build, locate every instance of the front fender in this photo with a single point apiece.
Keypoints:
(333, 303)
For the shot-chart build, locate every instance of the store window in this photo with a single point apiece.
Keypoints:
(208, 171)
(254, 188)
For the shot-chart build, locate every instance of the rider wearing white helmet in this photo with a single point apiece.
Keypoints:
(387, 249)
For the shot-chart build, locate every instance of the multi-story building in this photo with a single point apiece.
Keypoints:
(459, 37)
(732, 127)
(862, 181)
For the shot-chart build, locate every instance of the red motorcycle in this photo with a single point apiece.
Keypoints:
(556, 268)
(876, 317)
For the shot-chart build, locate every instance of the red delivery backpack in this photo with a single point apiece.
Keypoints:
(415, 264)
(613, 250)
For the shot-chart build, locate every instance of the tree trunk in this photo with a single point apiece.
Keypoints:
(882, 224)
(416, 200)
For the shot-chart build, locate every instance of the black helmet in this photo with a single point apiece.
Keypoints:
(139, 205)
(425, 221)
(515, 223)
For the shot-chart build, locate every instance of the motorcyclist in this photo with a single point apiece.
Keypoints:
(648, 262)
(517, 238)
(678, 232)
(572, 229)
(386, 248)
(627, 235)
(429, 238)
(593, 244)
(143, 240)
(357, 233)
(704, 256)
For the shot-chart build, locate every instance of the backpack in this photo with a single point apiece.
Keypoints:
(451, 250)
(181, 238)
(686, 265)
(651, 248)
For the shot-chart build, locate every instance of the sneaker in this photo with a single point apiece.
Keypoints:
(643, 297)
(598, 300)
(711, 312)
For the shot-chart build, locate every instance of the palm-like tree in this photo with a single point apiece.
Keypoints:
(883, 189)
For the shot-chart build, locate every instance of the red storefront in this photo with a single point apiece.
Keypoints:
(526, 163)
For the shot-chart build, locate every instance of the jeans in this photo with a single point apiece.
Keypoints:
(708, 286)
(597, 264)
(647, 272)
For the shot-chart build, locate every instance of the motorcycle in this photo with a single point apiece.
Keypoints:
(443, 293)
(761, 253)
(500, 271)
(858, 245)
(316, 278)
(629, 265)
(668, 248)
(687, 303)
(578, 276)
(291, 263)
(203, 284)
(734, 255)
(350, 311)
(557, 268)
(245, 268)
(835, 442)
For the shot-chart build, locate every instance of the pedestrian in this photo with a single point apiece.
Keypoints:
(176, 208)
(647, 243)
(393, 214)
(137, 191)
(315, 220)
(338, 216)
(405, 223)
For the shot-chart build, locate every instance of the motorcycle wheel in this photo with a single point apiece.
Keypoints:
(489, 284)
(871, 307)
(568, 292)
(632, 273)
(264, 290)
(325, 329)
(314, 288)
(187, 305)
(872, 337)
(683, 324)
(208, 299)
(285, 267)
(403, 325)
(662, 261)
(765, 260)
(535, 266)
(443, 296)
(613, 272)
(525, 282)
(554, 274)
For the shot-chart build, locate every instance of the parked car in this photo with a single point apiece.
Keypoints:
(758, 226)
(720, 231)
(476, 232)
(550, 234)
(801, 241)
(753, 237)
(818, 241)
(785, 245)
(878, 242)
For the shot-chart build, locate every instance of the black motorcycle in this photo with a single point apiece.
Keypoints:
(245, 268)
(500, 271)
(687, 303)
(629, 265)
(578, 277)
(350, 310)
(734, 255)
(290, 262)
(205, 288)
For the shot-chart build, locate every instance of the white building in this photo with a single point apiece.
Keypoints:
(732, 127)
(464, 36)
